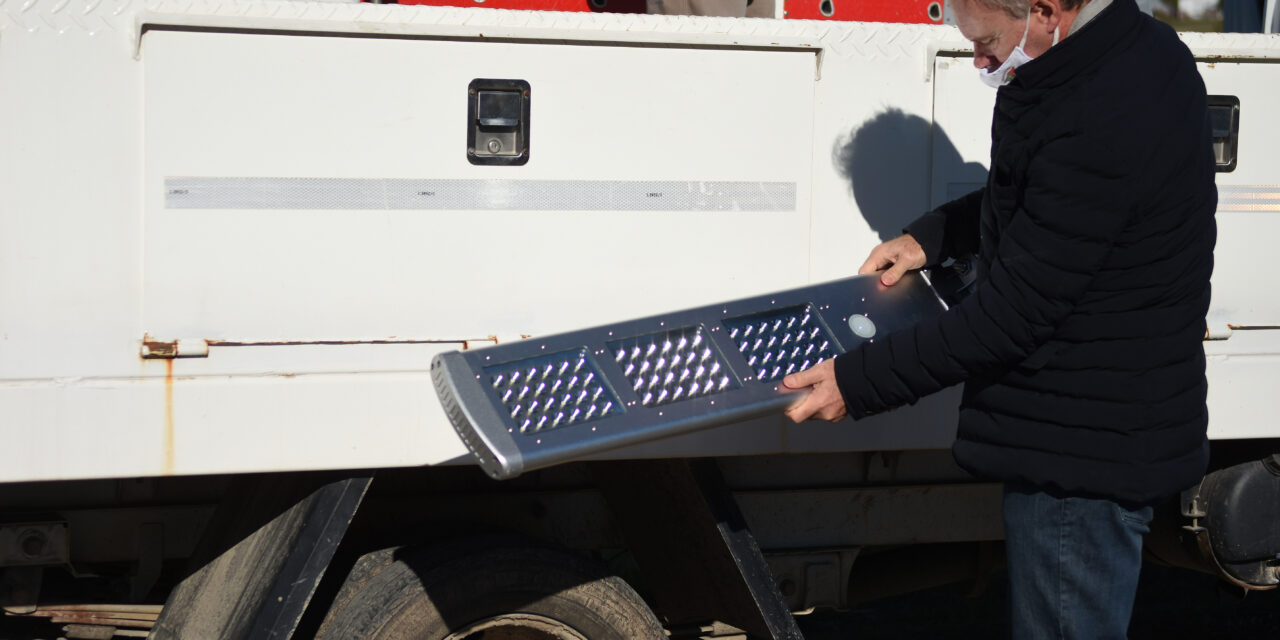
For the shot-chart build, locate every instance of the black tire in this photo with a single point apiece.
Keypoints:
(507, 591)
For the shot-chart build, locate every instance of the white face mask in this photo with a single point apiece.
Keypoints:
(1004, 73)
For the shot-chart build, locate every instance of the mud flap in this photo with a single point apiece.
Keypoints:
(693, 546)
(261, 558)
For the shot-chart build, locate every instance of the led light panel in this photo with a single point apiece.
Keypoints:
(674, 365)
(778, 343)
(542, 401)
(552, 391)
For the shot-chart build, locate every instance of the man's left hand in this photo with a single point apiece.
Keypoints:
(823, 401)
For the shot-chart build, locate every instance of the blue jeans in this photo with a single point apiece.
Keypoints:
(1073, 565)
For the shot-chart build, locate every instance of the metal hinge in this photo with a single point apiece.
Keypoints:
(1217, 331)
(186, 348)
(154, 349)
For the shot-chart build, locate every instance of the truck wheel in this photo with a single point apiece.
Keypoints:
(510, 592)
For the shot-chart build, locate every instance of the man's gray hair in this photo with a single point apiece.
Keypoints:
(1019, 8)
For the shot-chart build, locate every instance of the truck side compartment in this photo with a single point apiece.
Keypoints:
(235, 234)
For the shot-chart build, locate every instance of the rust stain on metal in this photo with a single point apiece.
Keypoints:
(291, 343)
(1210, 335)
(1212, 59)
(152, 348)
(483, 342)
(168, 418)
(490, 340)
(144, 610)
(130, 616)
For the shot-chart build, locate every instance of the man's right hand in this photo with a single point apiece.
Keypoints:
(899, 256)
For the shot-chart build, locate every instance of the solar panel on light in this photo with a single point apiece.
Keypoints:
(552, 391)
(533, 403)
(674, 365)
(779, 343)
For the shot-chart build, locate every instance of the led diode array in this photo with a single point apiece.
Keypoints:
(542, 401)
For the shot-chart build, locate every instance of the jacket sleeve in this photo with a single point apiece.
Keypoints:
(949, 231)
(1073, 208)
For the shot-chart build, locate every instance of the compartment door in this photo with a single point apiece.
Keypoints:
(313, 188)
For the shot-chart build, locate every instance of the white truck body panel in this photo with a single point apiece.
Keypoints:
(320, 324)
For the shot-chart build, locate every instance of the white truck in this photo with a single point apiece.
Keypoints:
(235, 233)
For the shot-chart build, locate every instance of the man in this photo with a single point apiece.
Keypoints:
(1080, 349)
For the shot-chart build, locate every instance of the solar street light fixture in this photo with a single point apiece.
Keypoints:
(530, 404)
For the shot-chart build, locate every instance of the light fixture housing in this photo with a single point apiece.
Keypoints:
(530, 404)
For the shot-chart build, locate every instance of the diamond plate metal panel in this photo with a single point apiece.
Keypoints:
(62, 16)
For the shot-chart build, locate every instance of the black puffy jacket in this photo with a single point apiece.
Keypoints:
(1081, 347)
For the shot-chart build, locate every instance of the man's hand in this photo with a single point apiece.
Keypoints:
(823, 400)
(899, 255)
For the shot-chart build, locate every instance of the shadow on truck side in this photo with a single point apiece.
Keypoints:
(886, 175)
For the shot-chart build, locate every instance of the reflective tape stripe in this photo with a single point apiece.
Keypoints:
(1249, 198)
(518, 195)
